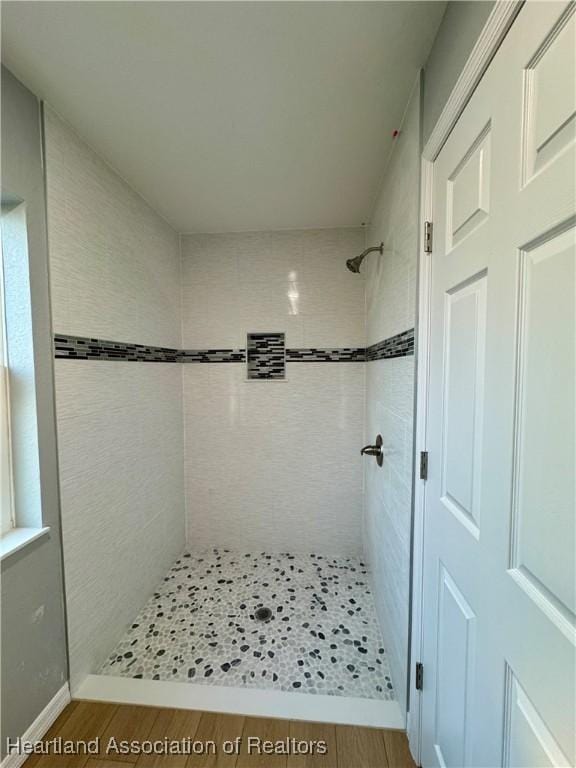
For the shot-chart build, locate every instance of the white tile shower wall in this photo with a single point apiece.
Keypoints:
(121, 475)
(114, 263)
(115, 274)
(295, 281)
(391, 309)
(274, 465)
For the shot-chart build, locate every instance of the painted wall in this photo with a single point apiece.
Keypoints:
(115, 270)
(33, 641)
(391, 309)
(460, 27)
(274, 465)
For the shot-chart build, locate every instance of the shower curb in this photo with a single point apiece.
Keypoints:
(340, 710)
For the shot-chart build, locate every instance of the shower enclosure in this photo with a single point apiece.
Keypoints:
(221, 528)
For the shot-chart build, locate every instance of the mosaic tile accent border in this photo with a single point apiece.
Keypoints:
(266, 356)
(400, 345)
(327, 355)
(83, 348)
(212, 356)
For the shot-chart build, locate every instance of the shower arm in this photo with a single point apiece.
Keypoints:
(379, 248)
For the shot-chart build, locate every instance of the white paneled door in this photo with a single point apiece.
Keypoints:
(499, 579)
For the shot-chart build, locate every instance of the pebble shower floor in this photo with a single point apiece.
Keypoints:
(200, 626)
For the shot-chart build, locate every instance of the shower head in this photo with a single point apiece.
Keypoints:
(354, 264)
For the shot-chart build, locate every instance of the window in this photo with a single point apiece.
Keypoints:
(20, 491)
(6, 490)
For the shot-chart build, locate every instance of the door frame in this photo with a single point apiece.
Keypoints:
(493, 33)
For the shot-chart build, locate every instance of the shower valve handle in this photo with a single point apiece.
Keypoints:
(374, 450)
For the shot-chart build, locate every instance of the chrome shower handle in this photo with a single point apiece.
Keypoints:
(374, 450)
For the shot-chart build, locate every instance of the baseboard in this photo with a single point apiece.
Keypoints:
(342, 710)
(40, 725)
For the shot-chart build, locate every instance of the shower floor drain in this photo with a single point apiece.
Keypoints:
(262, 614)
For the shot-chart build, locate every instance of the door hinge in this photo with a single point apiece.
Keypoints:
(427, 237)
(419, 675)
(423, 465)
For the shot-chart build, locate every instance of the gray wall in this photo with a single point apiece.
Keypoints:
(461, 25)
(34, 665)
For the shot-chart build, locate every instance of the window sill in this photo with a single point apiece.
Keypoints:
(18, 538)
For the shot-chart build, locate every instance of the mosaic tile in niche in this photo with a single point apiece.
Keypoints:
(199, 626)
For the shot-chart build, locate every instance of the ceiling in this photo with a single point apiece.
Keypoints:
(230, 116)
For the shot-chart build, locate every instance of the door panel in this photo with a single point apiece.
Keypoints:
(544, 499)
(456, 636)
(499, 631)
(528, 742)
(550, 97)
(465, 313)
(468, 191)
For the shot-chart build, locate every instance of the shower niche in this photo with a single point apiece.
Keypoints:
(266, 355)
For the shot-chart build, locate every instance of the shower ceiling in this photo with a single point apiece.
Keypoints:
(231, 116)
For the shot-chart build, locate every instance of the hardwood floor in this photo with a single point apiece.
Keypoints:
(335, 746)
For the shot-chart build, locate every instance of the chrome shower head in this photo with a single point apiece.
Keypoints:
(354, 264)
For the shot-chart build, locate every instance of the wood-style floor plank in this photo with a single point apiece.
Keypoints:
(54, 730)
(267, 730)
(129, 723)
(96, 762)
(397, 750)
(348, 746)
(217, 728)
(86, 721)
(360, 747)
(309, 732)
(172, 724)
